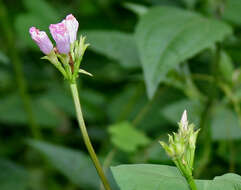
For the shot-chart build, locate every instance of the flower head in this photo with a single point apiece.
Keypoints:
(181, 146)
(42, 40)
(72, 26)
(68, 53)
(61, 36)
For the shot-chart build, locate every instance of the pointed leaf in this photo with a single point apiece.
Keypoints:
(167, 36)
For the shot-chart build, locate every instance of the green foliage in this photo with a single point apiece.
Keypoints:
(226, 67)
(225, 124)
(183, 53)
(136, 8)
(160, 177)
(36, 16)
(115, 44)
(168, 36)
(75, 165)
(12, 176)
(232, 11)
(173, 111)
(126, 137)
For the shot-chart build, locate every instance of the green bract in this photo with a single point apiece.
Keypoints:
(69, 65)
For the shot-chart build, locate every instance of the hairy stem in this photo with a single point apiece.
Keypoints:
(86, 138)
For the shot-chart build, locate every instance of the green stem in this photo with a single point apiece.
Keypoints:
(191, 182)
(17, 65)
(86, 138)
(187, 173)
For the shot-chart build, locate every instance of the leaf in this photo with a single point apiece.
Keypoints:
(12, 176)
(114, 45)
(76, 166)
(226, 67)
(173, 111)
(232, 11)
(126, 137)
(225, 124)
(161, 177)
(148, 177)
(167, 36)
(136, 8)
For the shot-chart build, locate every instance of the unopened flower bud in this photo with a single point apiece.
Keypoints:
(72, 27)
(61, 36)
(42, 40)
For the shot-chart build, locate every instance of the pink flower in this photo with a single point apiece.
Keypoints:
(41, 39)
(61, 36)
(72, 27)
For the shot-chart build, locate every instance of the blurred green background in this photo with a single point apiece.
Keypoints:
(40, 143)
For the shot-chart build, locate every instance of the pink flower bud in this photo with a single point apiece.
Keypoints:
(61, 36)
(41, 39)
(72, 27)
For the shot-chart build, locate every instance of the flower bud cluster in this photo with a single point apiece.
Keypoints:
(68, 53)
(181, 146)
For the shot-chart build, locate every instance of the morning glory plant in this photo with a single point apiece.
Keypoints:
(66, 56)
(181, 148)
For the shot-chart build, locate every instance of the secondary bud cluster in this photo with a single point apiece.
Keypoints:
(68, 53)
(181, 146)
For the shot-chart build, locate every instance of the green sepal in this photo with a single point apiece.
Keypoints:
(52, 58)
(85, 72)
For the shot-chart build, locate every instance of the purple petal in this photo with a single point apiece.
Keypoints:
(61, 37)
(72, 27)
(41, 39)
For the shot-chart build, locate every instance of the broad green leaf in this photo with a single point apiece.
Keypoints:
(167, 36)
(75, 165)
(233, 178)
(225, 124)
(126, 137)
(114, 45)
(173, 111)
(161, 177)
(232, 11)
(12, 176)
(148, 177)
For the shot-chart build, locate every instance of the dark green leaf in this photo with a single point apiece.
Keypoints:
(167, 36)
